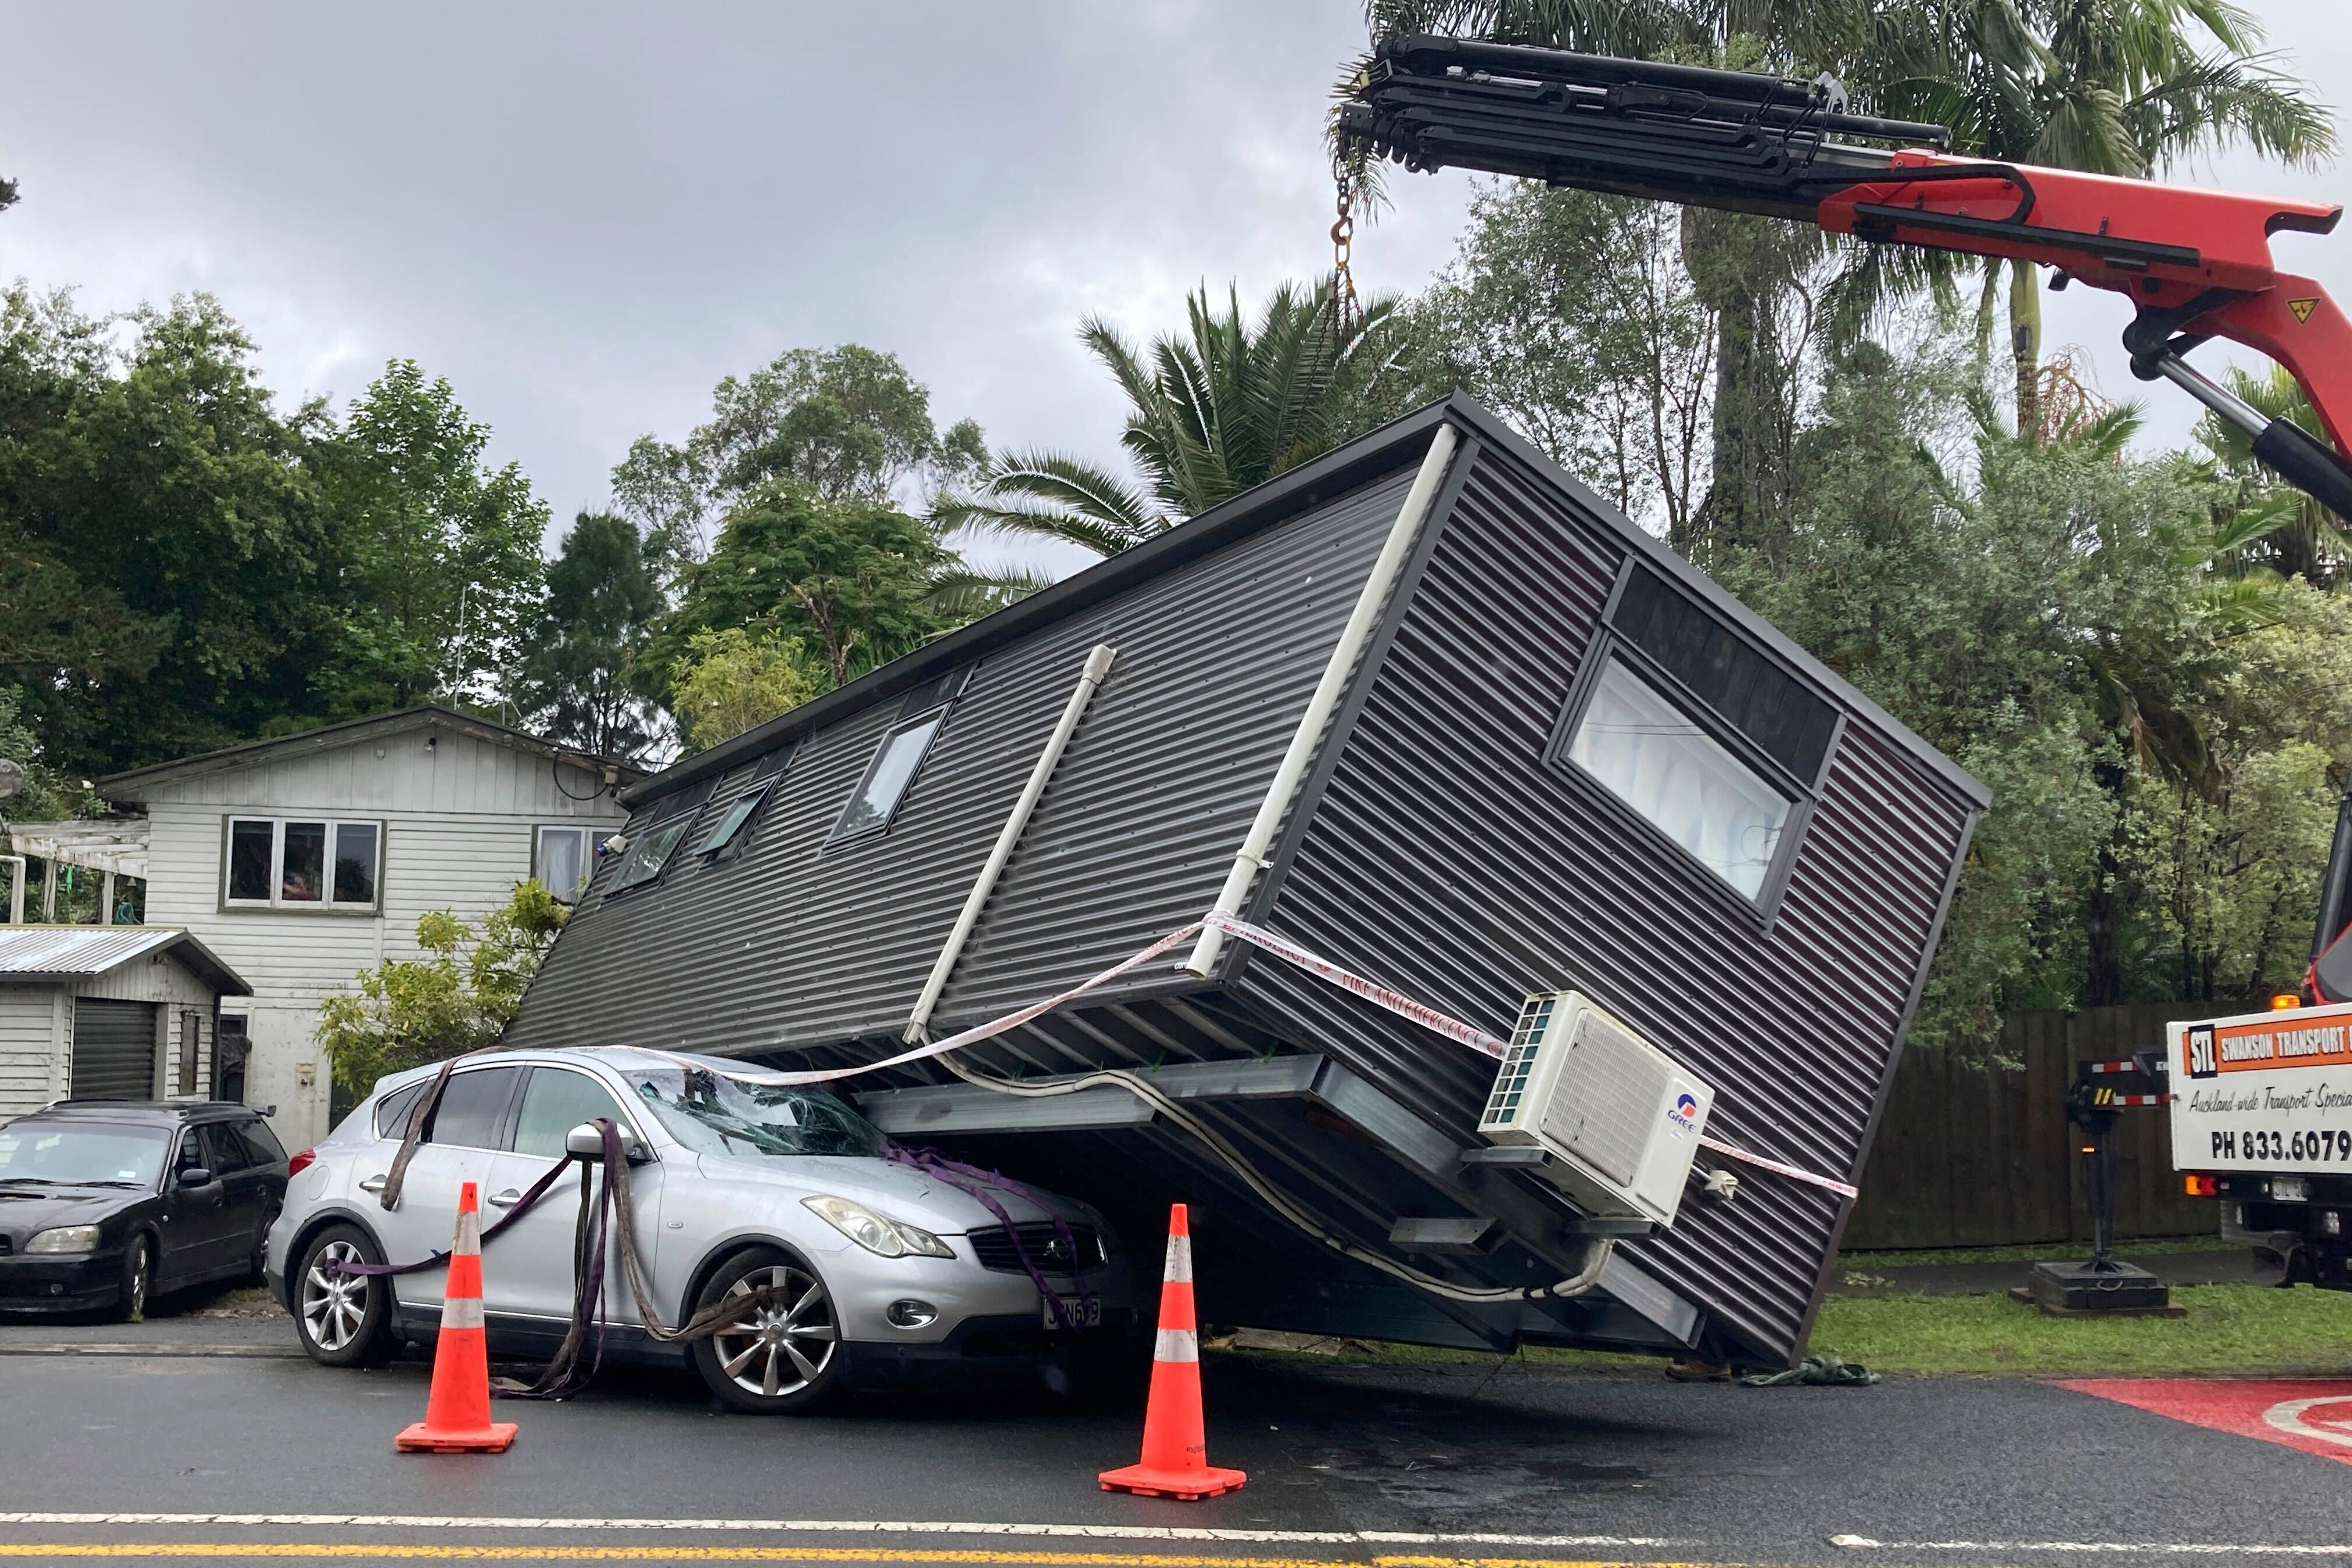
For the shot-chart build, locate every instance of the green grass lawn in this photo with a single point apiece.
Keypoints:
(2231, 1329)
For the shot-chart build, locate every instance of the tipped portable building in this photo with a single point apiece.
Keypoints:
(1561, 760)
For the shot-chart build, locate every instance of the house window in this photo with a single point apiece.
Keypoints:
(652, 852)
(736, 818)
(899, 757)
(302, 863)
(1663, 764)
(563, 858)
(1701, 732)
(1786, 719)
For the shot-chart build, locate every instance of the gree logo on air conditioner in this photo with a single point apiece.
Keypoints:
(1620, 1118)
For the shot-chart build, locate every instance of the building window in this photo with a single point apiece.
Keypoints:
(736, 818)
(563, 858)
(1662, 762)
(652, 852)
(1786, 720)
(899, 756)
(1701, 733)
(302, 863)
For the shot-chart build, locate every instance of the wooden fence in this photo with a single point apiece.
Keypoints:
(1975, 1156)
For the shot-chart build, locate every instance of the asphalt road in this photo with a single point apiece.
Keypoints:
(1385, 1465)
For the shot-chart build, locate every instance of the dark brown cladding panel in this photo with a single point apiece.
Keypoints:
(799, 942)
(1409, 872)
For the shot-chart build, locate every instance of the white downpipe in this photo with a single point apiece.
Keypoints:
(1251, 858)
(1090, 679)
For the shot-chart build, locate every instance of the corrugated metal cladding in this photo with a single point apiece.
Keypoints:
(796, 944)
(1447, 857)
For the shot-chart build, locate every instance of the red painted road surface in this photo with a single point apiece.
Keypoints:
(2314, 1415)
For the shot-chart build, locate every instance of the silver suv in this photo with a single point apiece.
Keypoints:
(897, 1275)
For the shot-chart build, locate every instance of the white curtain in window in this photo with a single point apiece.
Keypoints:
(1664, 766)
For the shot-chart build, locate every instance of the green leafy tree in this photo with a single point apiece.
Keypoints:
(46, 796)
(458, 997)
(581, 681)
(171, 584)
(855, 581)
(439, 552)
(2112, 86)
(846, 424)
(1571, 314)
(737, 680)
(1222, 406)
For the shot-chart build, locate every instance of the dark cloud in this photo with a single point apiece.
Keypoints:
(584, 214)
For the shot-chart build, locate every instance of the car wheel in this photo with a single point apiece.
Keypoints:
(779, 1356)
(343, 1320)
(138, 1278)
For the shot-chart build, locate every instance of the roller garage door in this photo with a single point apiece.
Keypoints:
(113, 1049)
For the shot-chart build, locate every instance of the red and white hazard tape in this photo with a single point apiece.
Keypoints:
(1290, 952)
(1478, 1039)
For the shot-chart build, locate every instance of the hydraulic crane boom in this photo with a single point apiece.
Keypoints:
(2196, 264)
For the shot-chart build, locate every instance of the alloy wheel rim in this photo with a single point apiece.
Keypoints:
(138, 1277)
(781, 1346)
(333, 1304)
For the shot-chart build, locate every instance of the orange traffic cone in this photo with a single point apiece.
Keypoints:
(457, 1412)
(1175, 1448)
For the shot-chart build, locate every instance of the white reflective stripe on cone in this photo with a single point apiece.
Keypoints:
(1179, 1261)
(1172, 1344)
(469, 1236)
(466, 1313)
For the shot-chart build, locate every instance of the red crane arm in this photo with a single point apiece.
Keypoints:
(2196, 264)
(2192, 262)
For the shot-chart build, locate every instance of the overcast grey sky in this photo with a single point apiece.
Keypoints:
(584, 214)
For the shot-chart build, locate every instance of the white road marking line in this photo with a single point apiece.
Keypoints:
(836, 1527)
(2096, 1548)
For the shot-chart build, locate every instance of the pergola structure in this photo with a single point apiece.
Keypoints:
(111, 847)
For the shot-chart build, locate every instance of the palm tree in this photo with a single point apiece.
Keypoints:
(1212, 411)
(2111, 87)
(2275, 526)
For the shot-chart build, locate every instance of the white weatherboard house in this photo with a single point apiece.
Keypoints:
(303, 859)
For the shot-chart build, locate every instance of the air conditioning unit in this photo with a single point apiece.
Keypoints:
(1620, 1118)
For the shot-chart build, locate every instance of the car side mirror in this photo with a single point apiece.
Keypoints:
(195, 1176)
(586, 1142)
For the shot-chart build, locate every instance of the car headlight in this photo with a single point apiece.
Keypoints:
(875, 1233)
(65, 1238)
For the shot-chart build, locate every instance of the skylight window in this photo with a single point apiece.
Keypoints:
(737, 816)
(889, 775)
(652, 852)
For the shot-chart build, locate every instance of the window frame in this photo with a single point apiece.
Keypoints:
(930, 703)
(1608, 643)
(513, 1129)
(277, 900)
(681, 820)
(587, 858)
(752, 802)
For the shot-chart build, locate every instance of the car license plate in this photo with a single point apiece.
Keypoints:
(1080, 1314)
